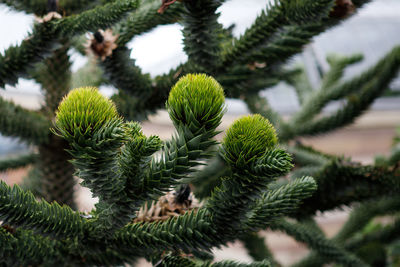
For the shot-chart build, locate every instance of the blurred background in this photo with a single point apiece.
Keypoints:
(373, 31)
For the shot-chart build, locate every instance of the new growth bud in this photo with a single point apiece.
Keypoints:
(84, 109)
(198, 99)
(248, 139)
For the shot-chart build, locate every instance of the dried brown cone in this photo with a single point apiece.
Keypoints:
(167, 206)
(256, 65)
(8, 228)
(342, 9)
(102, 44)
(51, 15)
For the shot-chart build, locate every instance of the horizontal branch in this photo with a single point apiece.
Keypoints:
(318, 242)
(16, 121)
(21, 209)
(18, 161)
(146, 18)
(100, 17)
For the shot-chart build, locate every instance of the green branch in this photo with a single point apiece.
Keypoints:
(317, 242)
(359, 218)
(342, 182)
(178, 261)
(122, 71)
(257, 248)
(357, 103)
(196, 122)
(24, 248)
(201, 33)
(270, 23)
(16, 121)
(314, 104)
(145, 18)
(280, 202)
(17, 60)
(54, 76)
(21, 209)
(18, 162)
(38, 7)
(100, 17)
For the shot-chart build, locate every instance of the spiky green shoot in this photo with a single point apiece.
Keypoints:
(248, 139)
(85, 109)
(196, 98)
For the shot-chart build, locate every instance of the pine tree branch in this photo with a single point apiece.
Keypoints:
(271, 22)
(54, 75)
(17, 60)
(359, 218)
(200, 33)
(209, 177)
(96, 161)
(41, 8)
(88, 75)
(71, 7)
(342, 182)
(226, 210)
(324, 95)
(337, 67)
(244, 82)
(364, 213)
(145, 18)
(280, 202)
(300, 82)
(386, 235)
(257, 248)
(20, 209)
(123, 73)
(260, 105)
(135, 158)
(290, 40)
(198, 233)
(100, 17)
(179, 261)
(23, 248)
(38, 7)
(196, 125)
(285, 44)
(179, 156)
(16, 121)
(357, 103)
(317, 242)
(230, 202)
(303, 156)
(18, 162)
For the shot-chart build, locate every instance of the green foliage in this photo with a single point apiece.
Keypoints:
(196, 98)
(248, 186)
(20, 209)
(115, 161)
(18, 161)
(248, 139)
(200, 33)
(84, 110)
(19, 122)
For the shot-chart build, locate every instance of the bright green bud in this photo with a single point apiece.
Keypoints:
(248, 139)
(84, 109)
(196, 98)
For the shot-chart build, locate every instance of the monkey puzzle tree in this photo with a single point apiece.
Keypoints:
(115, 161)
